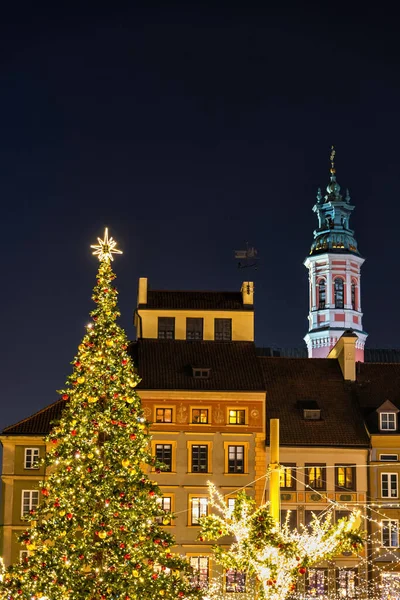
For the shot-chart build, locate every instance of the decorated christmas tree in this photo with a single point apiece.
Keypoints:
(97, 533)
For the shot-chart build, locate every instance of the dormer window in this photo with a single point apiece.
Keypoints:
(201, 373)
(388, 421)
(311, 410)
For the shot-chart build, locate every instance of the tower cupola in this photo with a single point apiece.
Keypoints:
(334, 265)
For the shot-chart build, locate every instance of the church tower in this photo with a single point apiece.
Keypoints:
(334, 266)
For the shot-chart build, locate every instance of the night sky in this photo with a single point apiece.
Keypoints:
(188, 131)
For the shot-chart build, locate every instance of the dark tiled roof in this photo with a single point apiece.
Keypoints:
(167, 365)
(382, 355)
(177, 300)
(289, 381)
(39, 423)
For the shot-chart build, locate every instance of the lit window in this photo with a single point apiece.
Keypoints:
(315, 476)
(317, 582)
(388, 421)
(231, 503)
(165, 503)
(199, 508)
(200, 458)
(166, 328)
(30, 500)
(235, 459)
(223, 330)
(346, 583)
(339, 292)
(200, 415)
(390, 535)
(287, 481)
(235, 581)
(389, 488)
(321, 294)
(31, 460)
(237, 417)
(164, 415)
(200, 566)
(194, 329)
(345, 477)
(164, 455)
(23, 555)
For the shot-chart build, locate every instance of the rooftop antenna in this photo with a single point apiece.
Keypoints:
(247, 258)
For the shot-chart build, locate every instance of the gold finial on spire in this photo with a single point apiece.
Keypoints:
(332, 159)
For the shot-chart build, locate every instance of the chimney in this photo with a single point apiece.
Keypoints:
(142, 291)
(345, 351)
(248, 292)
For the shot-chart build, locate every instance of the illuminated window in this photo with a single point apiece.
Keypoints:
(23, 555)
(345, 477)
(165, 503)
(353, 296)
(346, 581)
(166, 328)
(200, 566)
(287, 480)
(317, 582)
(321, 294)
(389, 487)
(237, 417)
(164, 455)
(315, 476)
(194, 329)
(31, 460)
(199, 458)
(200, 415)
(235, 581)
(235, 459)
(164, 415)
(388, 421)
(390, 533)
(199, 508)
(30, 500)
(223, 330)
(231, 503)
(339, 292)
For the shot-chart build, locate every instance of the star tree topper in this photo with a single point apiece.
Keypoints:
(106, 247)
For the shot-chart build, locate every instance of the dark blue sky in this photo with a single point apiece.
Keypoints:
(186, 130)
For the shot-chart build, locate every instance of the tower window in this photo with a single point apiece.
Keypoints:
(339, 292)
(353, 296)
(321, 294)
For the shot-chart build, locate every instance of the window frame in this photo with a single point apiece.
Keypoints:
(339, 488)
(225, 336)
(389, 476)
(167, 512)
(200, 330)
(389, 459)
(200, 408)
(199, 556)
(191, 499)
(386, 414)
(199, 448)
(339, 302)
(291, 466)
(169, 463)
(390, 531)
(31, 506)
(35, 464)
(158, 407)
(322, 301)
(173, 444)
(165, 337)
(243, 409)
(309, 466)
(245, 446)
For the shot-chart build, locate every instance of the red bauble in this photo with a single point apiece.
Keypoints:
(270, 582)
(54, 441)
(127, 556)
(73, 432)
(122, 545)
(69, 515)
(157, 541)
(302, 570)
(45, 492)
(151, 493)
(65, 397)
(154, 576)
(133, 436)
(81, 557)
(124, 361)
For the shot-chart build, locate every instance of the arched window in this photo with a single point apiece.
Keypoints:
(353, 295)
(321, 294)
(339, 292)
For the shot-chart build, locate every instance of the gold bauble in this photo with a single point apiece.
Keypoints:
(90, 455)
(135, 573)
(109, 343)
(125, 462)
(102, 535)
(81, 380)
(129, 399)
(92, 399)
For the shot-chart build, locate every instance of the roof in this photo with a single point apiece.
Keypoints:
(178, 300)
(291, 381)
(39, 423)
(167, 365)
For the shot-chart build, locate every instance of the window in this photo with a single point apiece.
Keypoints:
(390, 585)
(237, 417)
(200, 458)
(200, 415)
(353, 296)
(235, 459)
(321, 294)
(317, 582)
(31, 460)
(223, 330)
(346, 581)
(339, 292)
(194, 329)
(199, 508)
(389, 488)
(291, 520)
(163, 415)
(200, 565)
(389, 457)
(388, 421)
(310, 515)
(390, 536)
(165, 503)
(166, 328)
(164, 455)
(201, 373)
(342, 514)
(30, 500)
(287, 480)
(315, 476)
(231, 503)
(345, 476)
(23, 555)
(235, 581)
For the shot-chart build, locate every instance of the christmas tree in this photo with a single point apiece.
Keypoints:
(97, 533)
